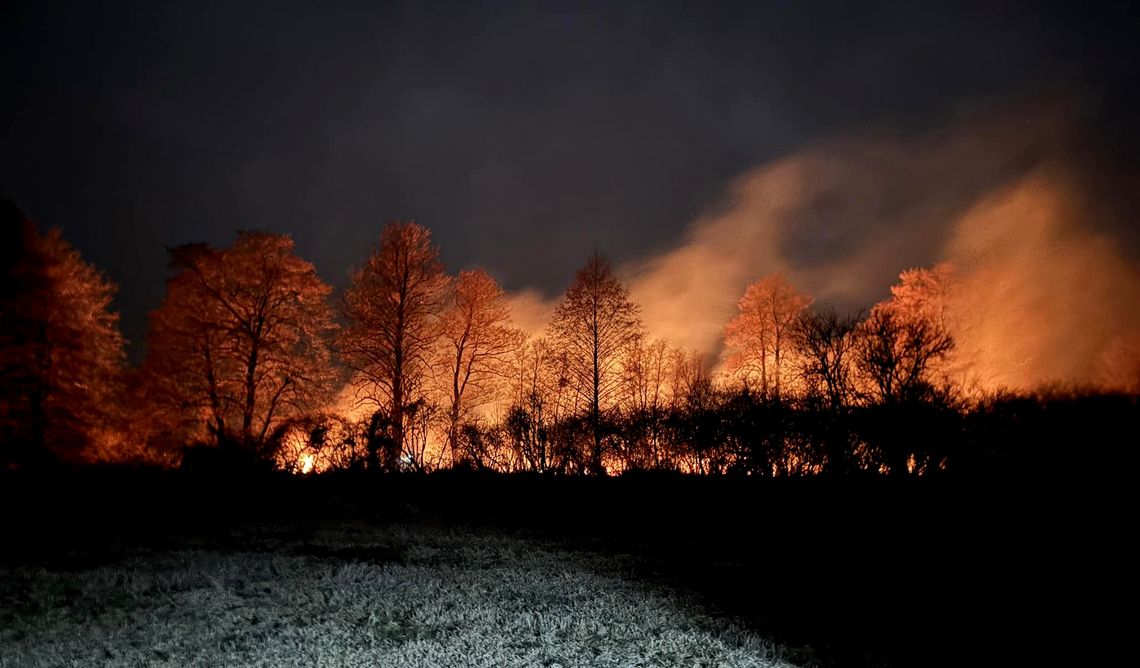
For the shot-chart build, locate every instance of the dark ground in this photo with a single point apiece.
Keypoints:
(853, 572)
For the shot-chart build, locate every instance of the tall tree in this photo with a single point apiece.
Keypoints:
(595, 325)
(536, 403)
(906, 340)
(923, 298)
(392, 307)
(61, 352)
(478, 343)
(902, 349)
(645, 402)
(647, 374)
(241, 340)
(758, 339)
(897, 354)
(825, 342)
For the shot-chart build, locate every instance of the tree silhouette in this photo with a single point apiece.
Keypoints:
(896, 354)
(825, 342)
(647, 375)
(527, 434)
(478, 342)
(61, 353)
(241, 340)
(392, 307)
(826, 345)
(758, 338)
(539, 400)
(907, 419)
(595, 325)
(645, 401)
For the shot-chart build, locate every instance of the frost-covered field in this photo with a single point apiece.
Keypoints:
(359, 595)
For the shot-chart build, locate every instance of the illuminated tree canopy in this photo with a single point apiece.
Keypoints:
(61, 353)
(595, 326)
(477, 342)
(392, 307)
(759, 338)
(238, 348)
(245, 353)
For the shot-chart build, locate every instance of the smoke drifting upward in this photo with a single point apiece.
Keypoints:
(1040, 293)
(531, 311)
(1038, 297)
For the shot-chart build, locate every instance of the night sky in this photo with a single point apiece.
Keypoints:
(524, 135)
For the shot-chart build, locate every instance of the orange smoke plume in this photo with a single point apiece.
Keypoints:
(1040, 293)
(1038, 297)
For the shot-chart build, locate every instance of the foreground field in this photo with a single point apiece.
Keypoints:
(127, 567)
(356, 594)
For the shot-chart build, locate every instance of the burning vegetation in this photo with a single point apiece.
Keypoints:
(729, 354)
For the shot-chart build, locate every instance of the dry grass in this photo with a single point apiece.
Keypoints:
(359, 595)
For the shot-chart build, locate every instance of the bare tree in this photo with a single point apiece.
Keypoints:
(242, 339)
(645, 402)
(758, 338)
(61, 353)
(646, 375)
(902, 348)
(478, 343)
(825, 342)
(392, 307)
(690, 381)
(595, 325)
(539, 399)
(896, 354)
(906, 341)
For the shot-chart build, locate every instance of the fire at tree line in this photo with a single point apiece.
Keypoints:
(252, 361)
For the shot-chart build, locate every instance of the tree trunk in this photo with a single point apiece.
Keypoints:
(250, 397)
(396, 444)
(453, 432)
(596, 409)
(456, 401)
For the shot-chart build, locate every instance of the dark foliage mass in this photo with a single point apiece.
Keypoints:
(739, 432)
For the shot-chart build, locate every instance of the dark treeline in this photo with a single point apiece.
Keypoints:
(253, 360)
(740, 432)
